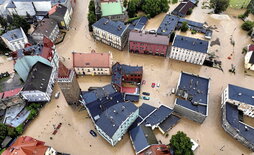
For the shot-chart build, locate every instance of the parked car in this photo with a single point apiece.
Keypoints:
(93, 133)
(146, 98)
(146, 93)
(158, 85)
(153, 85)
(57, 94)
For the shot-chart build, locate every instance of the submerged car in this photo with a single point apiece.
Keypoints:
(153, 85)
(93, 133)
(146, 93)
(146, 98)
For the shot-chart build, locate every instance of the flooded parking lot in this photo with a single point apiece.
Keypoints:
(74, 137)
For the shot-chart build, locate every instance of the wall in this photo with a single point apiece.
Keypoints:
(92, 71)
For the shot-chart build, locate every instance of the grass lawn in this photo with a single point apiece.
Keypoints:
(238, 4)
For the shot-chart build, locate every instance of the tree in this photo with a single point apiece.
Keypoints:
(184, 27)
(151, 7)
(91, 15)
(11, 132)
(181, 144)
(247, 26)
(164, 5)
(91, 6)
(3, 132)
(132, 8)
(3, 22)
(20, 129)
(18, 21)
(189, 12)
(219, 5)
(125, 3)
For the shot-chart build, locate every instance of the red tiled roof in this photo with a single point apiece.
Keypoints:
(11, 92)
(63, 71)
(26, 145)
(53, 9)
(47, 48)
(251, 47)
(91, 60)
(161, 149)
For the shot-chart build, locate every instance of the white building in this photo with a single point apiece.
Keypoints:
(39, 84)
(15, 39)
(92, 63)
(112, 33)
(190, 50)
(249, 58)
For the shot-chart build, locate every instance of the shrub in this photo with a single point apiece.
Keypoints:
(20, 129)
(247, 26)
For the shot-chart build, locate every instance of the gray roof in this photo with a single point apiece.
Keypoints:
(13, 34)
(158, 116)
(168, 25)
(60, 11)
(112, 118)
(38, 78)
(142, 137)
(54, 2)
(191, 44)
(196, 88)
(145, 110)
(148, 38)
(169, 123)
(45, 27)
(241, 94)
(252, 58)
(115, 27)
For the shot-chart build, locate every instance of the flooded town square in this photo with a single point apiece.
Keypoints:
(74, 138)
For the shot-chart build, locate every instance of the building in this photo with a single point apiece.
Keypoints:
(111, 9)
(69, 85)
(15, 39)
(142, 137)
(190, 50)
(130, 75)
(182, 9)
(67, 3)
(145, 43)
(168, 25)
(92, 63)
(47, 27)
(237, 104)
(192, 97)
(25, 58)
(160, 149)
(249, 58)
(138, 24)
(112, 33)
(115, 121)
(39, 84)
(25, 145)
(10, 98)
(61, 15)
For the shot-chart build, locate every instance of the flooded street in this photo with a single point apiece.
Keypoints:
(74, 137)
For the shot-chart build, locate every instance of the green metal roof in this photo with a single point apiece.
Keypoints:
(24, 64)
(111, 8)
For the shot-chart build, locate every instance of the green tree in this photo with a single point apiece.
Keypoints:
(91, 15)
(18, 21)
(125, 3)
(3, 22)
(219, 5)
(91, 6)
(164, 5)
(20, 129)
(151, 7)
(174, 1)
(189, 12)
(3, 132)
(181, 144)
(132, 9)
(11, 132)
(248, 25)
(184, 27)
(33, 113)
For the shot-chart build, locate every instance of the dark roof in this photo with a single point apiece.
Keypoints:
(115, 27)
(252, 58)
(142, 137)
(38, 77)
(148, 38)
(182, 8)
(145, 110)
(169, 123)
(158, 116)
(135, 123)
(131, 97)
(196, 88)
(45, 27)
(59, 11)
(191, 23)
(98, 93)
(30, 50)
(97, 107)
(112, 118)
(138, 24)
(232, 116)
(191, 44)
(168, 25)
(118, 70)
(241, 94)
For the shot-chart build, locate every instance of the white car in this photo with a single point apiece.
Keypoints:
(57, 94)
(158, 85)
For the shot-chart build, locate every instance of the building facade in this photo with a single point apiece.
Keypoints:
(189, 50)
(47, 27)
(145, 43)
(39, 84)
(15, 39)
(69, 85)
(92, 63)
(249, 58)
(112, 33)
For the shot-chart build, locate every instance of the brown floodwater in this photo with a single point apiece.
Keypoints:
(74, 138)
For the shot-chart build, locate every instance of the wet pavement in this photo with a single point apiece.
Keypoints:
(74, 137)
